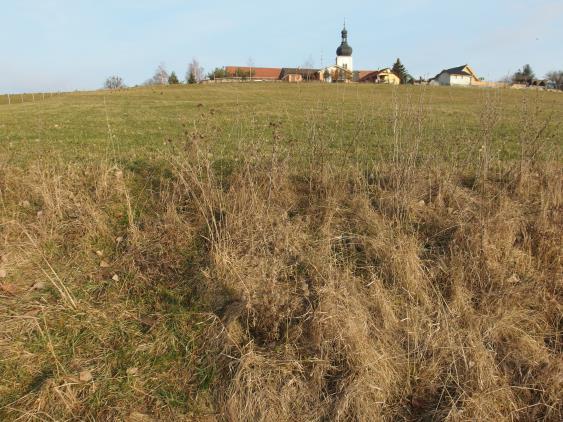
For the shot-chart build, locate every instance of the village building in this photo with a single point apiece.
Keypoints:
(254, 73)
(384, 76)
(341, 71)
(457, 76)
(336, 73)
(298, 74)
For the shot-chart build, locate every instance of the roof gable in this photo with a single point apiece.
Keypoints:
(363, 73)
(336, 67)
(464, 70)
(375, 73)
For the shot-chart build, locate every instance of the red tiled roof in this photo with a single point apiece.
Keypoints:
(363, 73)
(257, 72)
(368, 75)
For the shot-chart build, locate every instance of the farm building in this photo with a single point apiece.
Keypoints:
(384, 76)
(289, 74)
(341, 71)
(255, 73)
(457, 76)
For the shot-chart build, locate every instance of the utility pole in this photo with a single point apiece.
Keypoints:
(250, 66)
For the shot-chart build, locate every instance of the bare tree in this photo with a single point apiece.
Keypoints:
(160, 76)
(309, 63)
(195, 72)
(556, 77)
(506, 79)
(114, 82)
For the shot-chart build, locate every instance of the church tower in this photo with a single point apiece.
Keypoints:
(344, 53)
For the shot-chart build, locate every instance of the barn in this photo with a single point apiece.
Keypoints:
(457, 76)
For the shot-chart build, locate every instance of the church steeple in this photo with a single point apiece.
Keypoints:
(344, 52)
(344, 49)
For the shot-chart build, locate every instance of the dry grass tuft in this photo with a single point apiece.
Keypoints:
(342, 301)
(410, 290)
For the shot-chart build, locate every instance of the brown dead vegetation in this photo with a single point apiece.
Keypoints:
(415, 289)
(330, 296)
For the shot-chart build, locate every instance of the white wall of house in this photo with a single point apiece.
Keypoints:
(332, 70)
(346, 62)
(463, 80)
(443, 78)
(454, 80)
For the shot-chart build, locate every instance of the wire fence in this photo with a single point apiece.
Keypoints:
(12, 99)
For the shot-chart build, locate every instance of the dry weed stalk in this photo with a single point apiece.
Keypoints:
(333, 308)
(411, 289)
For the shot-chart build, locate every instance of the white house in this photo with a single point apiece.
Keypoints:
(335, 73)
(457, 76)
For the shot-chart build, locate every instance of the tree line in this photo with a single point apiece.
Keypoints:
(526, 76)
(194, 74)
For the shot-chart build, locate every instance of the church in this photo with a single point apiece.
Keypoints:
(341, 71)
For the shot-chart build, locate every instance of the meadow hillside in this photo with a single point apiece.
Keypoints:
(273, 252)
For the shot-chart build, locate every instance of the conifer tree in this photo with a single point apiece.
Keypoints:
(524, 76)
(218, 73)
(399, 70)
(173, 79)
(191, 78)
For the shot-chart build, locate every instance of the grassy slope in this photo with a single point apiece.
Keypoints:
(75, 126)
(281, 252)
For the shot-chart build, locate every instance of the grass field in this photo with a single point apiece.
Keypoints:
(135, 124)
(282, 252)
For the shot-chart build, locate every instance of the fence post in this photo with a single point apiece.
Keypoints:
(21, 95)
(9, 100)
(33, 97)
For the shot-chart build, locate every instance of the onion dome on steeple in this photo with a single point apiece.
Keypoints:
(344, 49)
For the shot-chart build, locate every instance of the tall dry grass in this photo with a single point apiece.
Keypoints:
(416, 289)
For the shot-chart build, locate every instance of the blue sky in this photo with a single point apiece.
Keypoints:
(48, 45)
